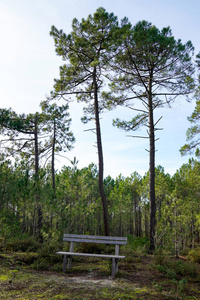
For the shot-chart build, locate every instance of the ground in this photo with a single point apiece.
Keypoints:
(138, 278)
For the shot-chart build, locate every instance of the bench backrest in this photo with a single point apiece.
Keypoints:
(95, 239)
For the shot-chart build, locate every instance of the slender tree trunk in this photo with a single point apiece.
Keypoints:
(100, 157)
(53, 170)
(36, 148)
(176, 235)
(146, 223)
(136, 215)
(152, 203)
(139, 222)
(53, 159)
(34, 223)
(39, 209)
(131, 218)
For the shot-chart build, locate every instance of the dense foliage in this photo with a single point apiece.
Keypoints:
(76, 207)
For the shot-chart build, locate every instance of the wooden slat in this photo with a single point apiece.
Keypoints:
(95, 239)
(90, 255)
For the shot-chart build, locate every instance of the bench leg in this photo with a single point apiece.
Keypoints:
(64, 263)
(69, 263)
(114, 266)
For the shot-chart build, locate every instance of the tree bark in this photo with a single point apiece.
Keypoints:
(136, 221)
(53, 159)
(53, 171)
(39, 209)
(131, 217)
(152, 203)
(100, 157)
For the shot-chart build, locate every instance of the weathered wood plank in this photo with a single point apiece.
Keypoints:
(90, 255)
(69, 263)
(94, 237)
(114, 266)
(116, 253)
(116, 249)
(64, 263)
(97, 241)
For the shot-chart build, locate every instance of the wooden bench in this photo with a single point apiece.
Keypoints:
(117, 241)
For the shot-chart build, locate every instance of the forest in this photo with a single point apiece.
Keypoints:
(106, 65)
(76, 206)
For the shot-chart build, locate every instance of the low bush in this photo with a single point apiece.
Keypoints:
(137, 242)
(49, 262)
(24, 244)
(49, 248)
(9, 225)
(184, 251)
(175, 268)
(194, 255)
(25, 258)
(91, 248)
(137, 246)
(160, 255)
(41, 264)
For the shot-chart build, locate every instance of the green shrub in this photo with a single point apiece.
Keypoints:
(174, 268)
(9, 226)
(91, 248)
(194, 255)
(160, 256)
(57, 267)
(171, 274)
(184, 251)
(185, 268)
(137, 246)
(182, 286)
(25, 258)
(137, 242)
(24, 244)
(48, 262)
(41, 264)
(161, 268)
(49, 248)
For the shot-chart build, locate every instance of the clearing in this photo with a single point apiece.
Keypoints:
(138, 278)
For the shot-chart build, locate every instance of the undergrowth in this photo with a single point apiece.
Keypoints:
(175, 268)
(194, 255)
(138, 276)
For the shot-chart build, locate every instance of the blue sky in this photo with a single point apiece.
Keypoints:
(29, 65)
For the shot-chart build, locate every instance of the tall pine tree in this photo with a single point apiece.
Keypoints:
(87, 51)
(153, 69)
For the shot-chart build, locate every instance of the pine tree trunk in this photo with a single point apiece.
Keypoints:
(146, 223)
(139, 222)
(53, 159)
(131, 218)
(39, 209)
(100, 157)
(152, 203)
(136, 217)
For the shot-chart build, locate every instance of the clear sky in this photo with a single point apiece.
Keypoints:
(28, 65)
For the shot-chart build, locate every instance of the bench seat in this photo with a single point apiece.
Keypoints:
(117, 241)
(90, 255)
